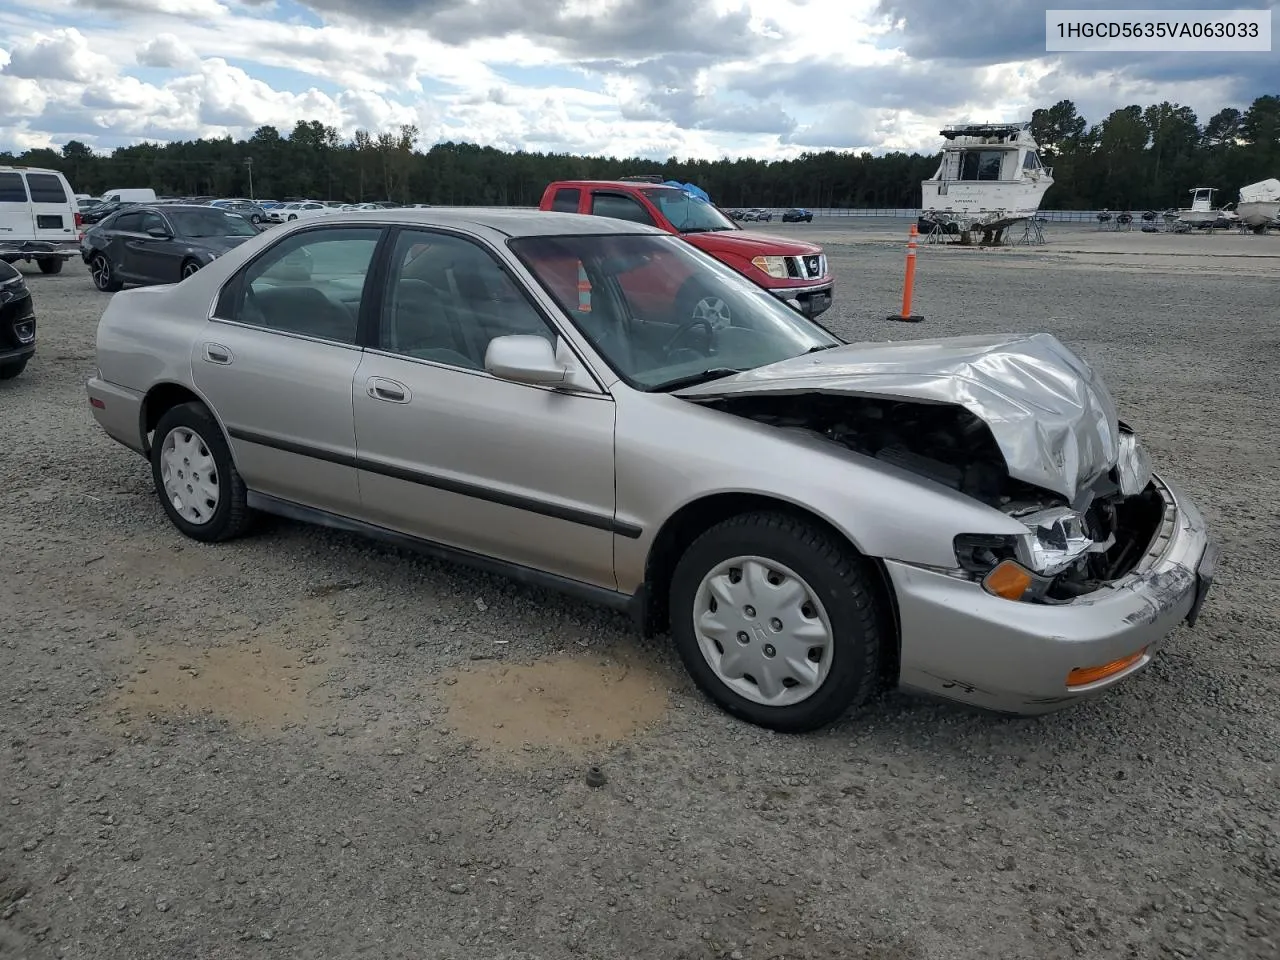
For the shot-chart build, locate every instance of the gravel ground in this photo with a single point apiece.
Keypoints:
(303, 745)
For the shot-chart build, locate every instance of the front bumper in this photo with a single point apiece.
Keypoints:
(9, 354)
(810, 300)
(29, 250)
(961, 643)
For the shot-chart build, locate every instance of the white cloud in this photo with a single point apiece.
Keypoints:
(693, 78)
(166, 50)
(62, 54)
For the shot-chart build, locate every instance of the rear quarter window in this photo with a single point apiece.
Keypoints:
(46, 188)
(12, 189)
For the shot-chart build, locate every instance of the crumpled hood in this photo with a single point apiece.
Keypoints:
(1052, 418)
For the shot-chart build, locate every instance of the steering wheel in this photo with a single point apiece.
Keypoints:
(683, 330)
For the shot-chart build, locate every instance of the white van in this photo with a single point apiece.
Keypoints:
(129, 195)
(39, 219)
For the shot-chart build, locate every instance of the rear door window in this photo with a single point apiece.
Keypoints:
(566, 200)
(46, 188)
(620, 207)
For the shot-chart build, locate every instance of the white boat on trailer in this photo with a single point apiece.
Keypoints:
(990, 178)
(1259, 205)
(1202, 212)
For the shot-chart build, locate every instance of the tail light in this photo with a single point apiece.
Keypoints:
(79, 219)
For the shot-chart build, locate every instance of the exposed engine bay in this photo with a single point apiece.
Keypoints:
(1075, 548)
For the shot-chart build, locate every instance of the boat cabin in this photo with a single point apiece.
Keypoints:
(989, 152)
(1202, 199)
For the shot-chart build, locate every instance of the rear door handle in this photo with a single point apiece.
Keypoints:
(392, 391)
(217, 353)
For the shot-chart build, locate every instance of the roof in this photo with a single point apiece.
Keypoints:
(9, 169)
(628, 184)
(529, 222)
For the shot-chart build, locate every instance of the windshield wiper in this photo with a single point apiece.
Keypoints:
(715, 373)
(820, 347)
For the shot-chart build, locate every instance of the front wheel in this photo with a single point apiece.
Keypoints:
(189, 267)
(195, 477)
(778, 621)
(14, 367)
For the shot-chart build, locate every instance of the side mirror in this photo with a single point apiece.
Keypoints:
(159, 233)
(524, 359)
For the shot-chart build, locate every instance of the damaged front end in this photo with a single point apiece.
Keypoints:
(1020, 424)
(1068, 550)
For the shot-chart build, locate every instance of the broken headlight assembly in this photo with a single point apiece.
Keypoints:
(1133, 465)
(1023, 567)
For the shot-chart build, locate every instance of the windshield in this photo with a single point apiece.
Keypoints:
(211, 222)
(688, 214)
(662, 313)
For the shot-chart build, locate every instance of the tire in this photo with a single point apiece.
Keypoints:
(189, 267)
(695, 300)
(229, 517)
(50, 265)
(10, 370)
(256, 220)
(293, 216)
(847, 613)
(103, 274)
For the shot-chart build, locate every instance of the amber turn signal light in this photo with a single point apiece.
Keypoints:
(1083, 676)
(1009, 580)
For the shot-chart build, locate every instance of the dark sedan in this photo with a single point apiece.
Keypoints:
(160, 244)
(17, 322)
(797, 215)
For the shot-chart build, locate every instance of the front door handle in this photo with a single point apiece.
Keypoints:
(392, 391)
(217, 353)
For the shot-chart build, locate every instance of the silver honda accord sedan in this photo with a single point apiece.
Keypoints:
(810, 520)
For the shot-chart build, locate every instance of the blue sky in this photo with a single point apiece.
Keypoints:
(690, 78)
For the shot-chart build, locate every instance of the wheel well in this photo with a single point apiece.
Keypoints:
(693, 519)
(160, 400)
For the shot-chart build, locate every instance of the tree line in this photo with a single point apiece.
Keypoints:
(1136, 158)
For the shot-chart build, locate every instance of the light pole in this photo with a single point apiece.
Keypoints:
(248, 162)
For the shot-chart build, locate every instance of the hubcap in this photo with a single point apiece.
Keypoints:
(101, 271)
(763, 631)
(713, 310)
(189, 475)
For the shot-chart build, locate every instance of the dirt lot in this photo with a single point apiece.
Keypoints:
(303, 745)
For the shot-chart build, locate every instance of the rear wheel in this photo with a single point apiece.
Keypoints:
(195, 477)
(103, 274)
(778, 621)
(50, 265)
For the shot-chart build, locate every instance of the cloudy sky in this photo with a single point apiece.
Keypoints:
(691, 78)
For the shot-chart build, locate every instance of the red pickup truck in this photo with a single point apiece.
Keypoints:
(792, 270)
